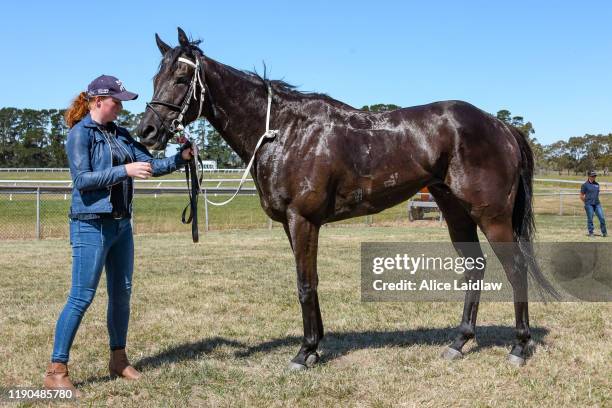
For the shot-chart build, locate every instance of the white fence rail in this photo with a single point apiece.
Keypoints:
(568, 181)
(66, 169)
(159, 183)
(33, 169)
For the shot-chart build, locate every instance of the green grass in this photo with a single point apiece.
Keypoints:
(162, 214)
(215, 324)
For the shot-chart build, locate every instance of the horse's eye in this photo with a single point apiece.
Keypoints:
(182, 80)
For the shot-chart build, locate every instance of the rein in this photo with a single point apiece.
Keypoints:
(193, 187)
(175, 129)
(178, 131)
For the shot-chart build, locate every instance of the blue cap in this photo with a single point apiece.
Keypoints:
(107, 85)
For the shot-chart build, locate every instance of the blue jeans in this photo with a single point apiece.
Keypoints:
(598, 210)
(96, 244)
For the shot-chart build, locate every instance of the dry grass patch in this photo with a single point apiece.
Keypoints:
(216, 324)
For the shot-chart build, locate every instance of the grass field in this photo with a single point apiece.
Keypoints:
(215, 324)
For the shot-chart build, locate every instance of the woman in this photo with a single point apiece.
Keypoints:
(103, 160)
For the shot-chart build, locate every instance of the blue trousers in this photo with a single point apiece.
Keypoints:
(96, 244)
(598, 210)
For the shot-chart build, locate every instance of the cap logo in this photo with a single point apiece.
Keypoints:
(120, 84)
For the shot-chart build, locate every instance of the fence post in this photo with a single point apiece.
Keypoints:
(205, 211)
(132, 218)
(560, 203)
(38, 213)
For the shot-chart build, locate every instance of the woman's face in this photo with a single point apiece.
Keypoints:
(107, 108)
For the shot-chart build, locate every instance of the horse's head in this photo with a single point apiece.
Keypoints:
(178, 92)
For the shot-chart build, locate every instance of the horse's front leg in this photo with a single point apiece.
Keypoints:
(303, 236)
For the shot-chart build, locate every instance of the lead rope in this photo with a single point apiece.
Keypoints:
(193, 188)
(268, 134)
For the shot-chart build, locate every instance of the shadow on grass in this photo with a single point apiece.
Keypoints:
(174, 354)
(338, 344)
(185, 351)
(335, 344)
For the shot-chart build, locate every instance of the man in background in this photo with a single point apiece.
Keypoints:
(589, 194)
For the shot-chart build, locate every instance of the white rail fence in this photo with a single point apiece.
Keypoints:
(66, 169)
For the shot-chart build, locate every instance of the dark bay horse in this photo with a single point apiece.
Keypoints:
(330, 162)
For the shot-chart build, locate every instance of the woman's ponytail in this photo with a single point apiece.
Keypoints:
(77, 110)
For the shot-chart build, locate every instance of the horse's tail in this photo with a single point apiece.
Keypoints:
(523, 220)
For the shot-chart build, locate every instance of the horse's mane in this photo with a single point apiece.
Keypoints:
(278, 86)
(286, 89)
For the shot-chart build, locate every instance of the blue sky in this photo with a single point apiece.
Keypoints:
(548, 61)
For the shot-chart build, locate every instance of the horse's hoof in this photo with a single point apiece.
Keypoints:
(296, 366)
(451, 354)
(311, 360)
(516, 360)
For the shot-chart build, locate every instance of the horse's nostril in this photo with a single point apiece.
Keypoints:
(149, 132)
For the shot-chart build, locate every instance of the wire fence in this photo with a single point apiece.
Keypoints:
(40, 212)
(205, 168)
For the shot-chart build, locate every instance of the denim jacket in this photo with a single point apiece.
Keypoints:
(91, 169)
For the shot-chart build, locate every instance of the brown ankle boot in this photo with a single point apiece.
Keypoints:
(56, 377)
(119, 366)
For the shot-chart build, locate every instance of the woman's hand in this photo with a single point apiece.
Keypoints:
(141, 170)
(187, 154)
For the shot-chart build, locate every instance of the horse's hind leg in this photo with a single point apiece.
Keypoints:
(464, 234)
(500, 235)
(303, 236)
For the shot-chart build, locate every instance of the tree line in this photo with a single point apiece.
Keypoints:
(577, 155)
(36, 138)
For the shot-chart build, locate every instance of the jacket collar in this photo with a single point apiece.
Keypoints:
(88, 121)
(122, 133)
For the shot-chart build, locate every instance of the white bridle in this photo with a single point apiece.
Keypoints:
(195, 80)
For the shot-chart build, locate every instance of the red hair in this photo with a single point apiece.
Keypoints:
(77, 110)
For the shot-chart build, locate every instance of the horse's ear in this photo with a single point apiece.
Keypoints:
(163, 47)
(182, 37)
